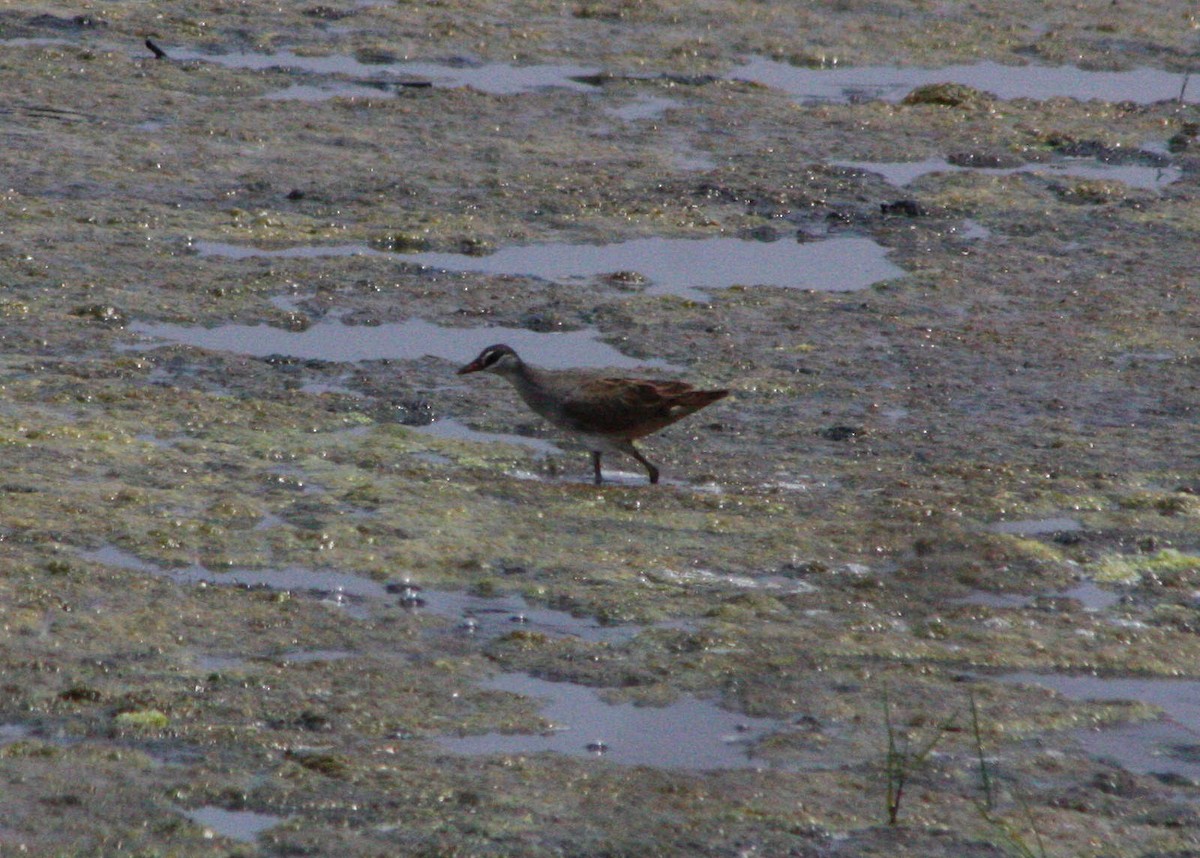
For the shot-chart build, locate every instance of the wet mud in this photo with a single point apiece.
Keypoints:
(275, 581)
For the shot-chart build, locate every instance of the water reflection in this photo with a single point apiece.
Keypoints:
(1091, 596)
(1036, 526)
(901, 173)
(331, 340)
(1169, 746)
(493, 78)
(644, 107)
(357, 594)
(682, 267)
(241, 825)
(687, 734)
(891, 83)
(10, 733)
(448, 427)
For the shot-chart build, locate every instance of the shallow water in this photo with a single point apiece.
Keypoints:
(240, 825)
(1178, 698)
(644, 107)
(1140, 85)
(683, 156)
(902, 173)
(409, 340)
(448, 427)
(310, 656)
(493, 78)
(321, 92)
(1036, 526)
(1154, 747)
(338, 588)
(497, 615)
(682, 267)
(1088, 593)
(687, 734)
(891, 83)
(1091, 596)
(973, 231)
(1163, 746)
(10, 733)
(483, 616)
(218, 663)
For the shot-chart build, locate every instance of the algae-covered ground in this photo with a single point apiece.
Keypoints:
(1013, 415)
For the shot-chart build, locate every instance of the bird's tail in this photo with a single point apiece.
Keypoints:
(694, 400)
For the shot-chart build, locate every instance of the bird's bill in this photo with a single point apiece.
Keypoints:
(474, 366)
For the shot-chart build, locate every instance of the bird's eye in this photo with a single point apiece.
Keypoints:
(490, 358)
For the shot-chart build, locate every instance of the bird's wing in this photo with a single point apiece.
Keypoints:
(618, 405)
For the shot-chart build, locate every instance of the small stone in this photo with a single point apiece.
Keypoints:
(841, 432)
(104, 313)
(402, 587)
(903, 208)
(947, 95)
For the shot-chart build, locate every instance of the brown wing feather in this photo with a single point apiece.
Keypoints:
(631, 408)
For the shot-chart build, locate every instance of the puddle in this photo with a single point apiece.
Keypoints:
(1036, 526)
(1093, 597)
(573, 474)
(1134, 175)
(10, 733)
(218, 663)
(1088, 593)
(974, 231)
(331, 340)
(269, 520)
(491, 617)
(682, 267)
(1178, 698)
(1156, 747)
(988, 599)
(1170, 746)
(241, 825)
(313, 656)
(689, 159)
(309, 92)
(485, 617)
(304, 251)
(768, 583)
(338, 588)
(643, 107)
(318, 388)
(890, 83)
(492, 78)
(450, 428)
(167, 443)
(688, 734)
(38, 42)
(901, 173)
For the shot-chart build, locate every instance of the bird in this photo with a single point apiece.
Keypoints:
(607, 413)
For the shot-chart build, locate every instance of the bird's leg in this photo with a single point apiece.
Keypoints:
(650, 469)
(596, 464)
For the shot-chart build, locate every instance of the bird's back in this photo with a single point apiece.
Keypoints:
(632, 408)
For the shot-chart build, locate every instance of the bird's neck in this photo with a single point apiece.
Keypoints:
(529, 384)
(522, 376)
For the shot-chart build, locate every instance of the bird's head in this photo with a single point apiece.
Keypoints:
(499, 359)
